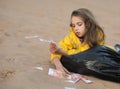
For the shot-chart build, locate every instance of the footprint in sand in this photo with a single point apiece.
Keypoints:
(3, 34)
(6, 73)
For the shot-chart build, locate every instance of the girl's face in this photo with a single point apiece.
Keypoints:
(78, 25)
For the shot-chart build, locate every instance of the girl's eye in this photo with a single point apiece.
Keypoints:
(79, 24)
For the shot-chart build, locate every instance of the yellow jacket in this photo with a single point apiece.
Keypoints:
(71, 44)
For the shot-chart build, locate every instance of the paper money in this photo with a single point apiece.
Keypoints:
(29, 37)
(55, 73)
(44, 40)
(69, 88)
(37, 37)
(86, 80)
(39, 68)
(72, 78)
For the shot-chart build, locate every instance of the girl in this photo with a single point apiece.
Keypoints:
(85, 33)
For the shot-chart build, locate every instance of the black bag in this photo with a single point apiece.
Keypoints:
(100, 59)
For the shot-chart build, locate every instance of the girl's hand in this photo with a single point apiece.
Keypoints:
(58, 74)
(66, 71)
(63, 73)
(59, 67)
(54, 48)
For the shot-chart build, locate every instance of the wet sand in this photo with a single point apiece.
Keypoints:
(48, 20)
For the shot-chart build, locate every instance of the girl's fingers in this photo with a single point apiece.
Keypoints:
(52, 50)
(66, 71)
(53, 47)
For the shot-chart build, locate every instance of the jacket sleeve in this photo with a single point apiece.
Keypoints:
(65, 45)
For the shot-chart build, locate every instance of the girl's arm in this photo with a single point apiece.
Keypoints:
(56, 61)
(59, 66)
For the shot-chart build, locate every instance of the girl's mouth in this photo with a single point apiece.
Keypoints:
(78, 33)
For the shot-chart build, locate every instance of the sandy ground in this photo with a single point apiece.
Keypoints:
(48, 19)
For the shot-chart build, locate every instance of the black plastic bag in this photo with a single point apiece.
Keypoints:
(100, 59)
